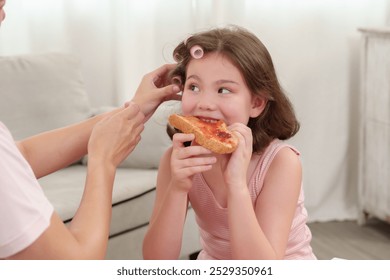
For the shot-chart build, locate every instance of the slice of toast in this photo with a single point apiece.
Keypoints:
(212, 135)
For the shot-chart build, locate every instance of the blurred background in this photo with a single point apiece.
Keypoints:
(315, 45)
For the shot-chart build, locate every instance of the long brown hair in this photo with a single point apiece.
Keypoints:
(252, 58)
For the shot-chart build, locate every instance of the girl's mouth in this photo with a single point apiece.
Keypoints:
(207, 120)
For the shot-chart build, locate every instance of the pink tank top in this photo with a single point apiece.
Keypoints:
(213, 223)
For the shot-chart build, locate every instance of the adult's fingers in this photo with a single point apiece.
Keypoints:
(132, 111)
(160, 75)
(169, 92)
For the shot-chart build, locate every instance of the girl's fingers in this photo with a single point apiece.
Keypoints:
(178, 144)
(201, 161)
(192, 170)
(180, 138)
(193, 151)
(243, 132)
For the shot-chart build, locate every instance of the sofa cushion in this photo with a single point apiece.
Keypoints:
(48, 89)
(133, 195)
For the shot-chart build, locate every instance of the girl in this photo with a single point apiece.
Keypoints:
(248, 205)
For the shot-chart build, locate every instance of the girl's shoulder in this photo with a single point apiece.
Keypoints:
(277, 156)
(286, 156)
(277, 145)
(278, 148)
(282, 153)
(284, 160)
(279, 164)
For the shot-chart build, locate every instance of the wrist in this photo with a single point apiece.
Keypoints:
(101, 166)
(235, 182)
(238, 188)
(179, 189)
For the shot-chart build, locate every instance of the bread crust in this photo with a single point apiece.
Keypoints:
(213, 136)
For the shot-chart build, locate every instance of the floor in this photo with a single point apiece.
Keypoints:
(348, 240)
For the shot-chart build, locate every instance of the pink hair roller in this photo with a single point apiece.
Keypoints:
(196, 52)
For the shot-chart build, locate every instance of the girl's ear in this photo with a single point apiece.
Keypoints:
(258, 105)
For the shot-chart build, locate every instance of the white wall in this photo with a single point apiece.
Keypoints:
(314, 44)
(83, 28)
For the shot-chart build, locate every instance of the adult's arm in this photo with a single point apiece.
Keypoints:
(53, 150)
(112, 139)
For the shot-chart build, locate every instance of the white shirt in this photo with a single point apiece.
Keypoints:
(25, 211)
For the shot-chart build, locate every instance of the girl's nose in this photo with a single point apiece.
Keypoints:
(206, 103)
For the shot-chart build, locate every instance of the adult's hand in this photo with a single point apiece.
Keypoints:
(115, 137)
(154, 89)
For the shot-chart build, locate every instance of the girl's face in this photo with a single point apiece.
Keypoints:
(2, 13)
(215, 89)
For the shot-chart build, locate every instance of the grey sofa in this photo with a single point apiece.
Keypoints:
(46, 91)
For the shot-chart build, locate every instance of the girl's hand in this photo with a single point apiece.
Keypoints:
(235, 166)
(188, 161)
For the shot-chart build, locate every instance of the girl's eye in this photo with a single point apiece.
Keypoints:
(193, 88)
(223, 90)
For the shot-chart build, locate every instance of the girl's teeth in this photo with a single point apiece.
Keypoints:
(209, 120)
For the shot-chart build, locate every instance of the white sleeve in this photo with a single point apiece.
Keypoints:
(25, 211)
